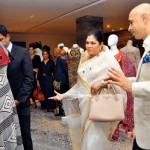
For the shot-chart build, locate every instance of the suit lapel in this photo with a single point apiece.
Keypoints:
(13, 50)
(140, 65)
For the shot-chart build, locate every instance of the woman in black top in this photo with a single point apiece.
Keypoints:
(45, 81)
(35, 63)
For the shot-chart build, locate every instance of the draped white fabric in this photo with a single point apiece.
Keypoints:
(89, 134)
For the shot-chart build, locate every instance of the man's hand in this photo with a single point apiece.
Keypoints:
(17, 102)
(118, 78)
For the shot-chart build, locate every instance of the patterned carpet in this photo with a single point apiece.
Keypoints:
(49, 134)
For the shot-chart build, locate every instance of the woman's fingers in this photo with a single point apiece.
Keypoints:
(51, 97)
(56, 92)
(92, 91)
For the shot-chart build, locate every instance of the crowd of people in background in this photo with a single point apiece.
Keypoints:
(48, 70)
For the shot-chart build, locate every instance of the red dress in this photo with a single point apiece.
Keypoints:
(129, 70)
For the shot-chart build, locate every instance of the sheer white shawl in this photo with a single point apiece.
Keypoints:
(81, 128)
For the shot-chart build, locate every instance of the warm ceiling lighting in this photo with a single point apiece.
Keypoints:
(121, 28)
(112, 30)
(108, 26)
(32, 16)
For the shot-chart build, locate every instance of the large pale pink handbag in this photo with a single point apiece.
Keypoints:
(107, 107)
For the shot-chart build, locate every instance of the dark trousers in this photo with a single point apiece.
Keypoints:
(63, 88)
(25, 131)
(135, 146)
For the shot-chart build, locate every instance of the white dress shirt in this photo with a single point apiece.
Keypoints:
(9, 47)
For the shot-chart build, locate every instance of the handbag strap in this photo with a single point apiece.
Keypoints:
(38, 89)
(109, 87)
(114, 92)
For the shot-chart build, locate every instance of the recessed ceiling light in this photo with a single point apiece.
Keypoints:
(108, 26)
(112, 30)
(121, 28)
(31, 16)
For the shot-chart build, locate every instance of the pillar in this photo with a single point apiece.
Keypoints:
(86, 24)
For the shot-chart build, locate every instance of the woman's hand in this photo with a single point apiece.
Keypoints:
(58, 96)
(96, 86)
(38, 84)
(17, 102)
(35, 70)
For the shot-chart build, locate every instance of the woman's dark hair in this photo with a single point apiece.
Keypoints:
(45, 47)
(38, 45)
(46, 52)
(31, 47)
(97, 34)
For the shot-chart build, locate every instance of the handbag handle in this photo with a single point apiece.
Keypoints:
(114, 91)
(109, 85)
(38, 89)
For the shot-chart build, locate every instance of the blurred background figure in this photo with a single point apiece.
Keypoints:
(132, 52)
(129, 70)
(48, 49)
(38, 48)
(61, 75)
(45, 81)
(35, 64)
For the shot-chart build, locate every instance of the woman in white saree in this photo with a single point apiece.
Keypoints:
(94, 63)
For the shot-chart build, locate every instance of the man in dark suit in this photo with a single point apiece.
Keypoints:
(61, 75)
(20, 76)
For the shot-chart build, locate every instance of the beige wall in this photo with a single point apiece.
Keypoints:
(50, 40)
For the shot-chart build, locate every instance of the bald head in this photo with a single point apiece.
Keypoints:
(57, 52)
(142, 8)
(139, 21)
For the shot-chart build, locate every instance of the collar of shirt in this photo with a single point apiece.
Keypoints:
(9, 47)
(146, 43)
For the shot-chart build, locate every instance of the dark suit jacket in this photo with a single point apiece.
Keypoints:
(20, 76)
(61, 71)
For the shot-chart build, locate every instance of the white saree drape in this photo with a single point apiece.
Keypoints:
(86, 134)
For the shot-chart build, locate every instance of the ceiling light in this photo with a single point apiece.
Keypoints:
(108, 26)
(32, 16)
(121, 28)
(112, 30)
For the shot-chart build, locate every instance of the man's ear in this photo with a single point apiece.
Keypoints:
(8, 36)
(102, 43)
(145, 18)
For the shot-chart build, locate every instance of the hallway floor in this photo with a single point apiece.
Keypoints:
(49, 134)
